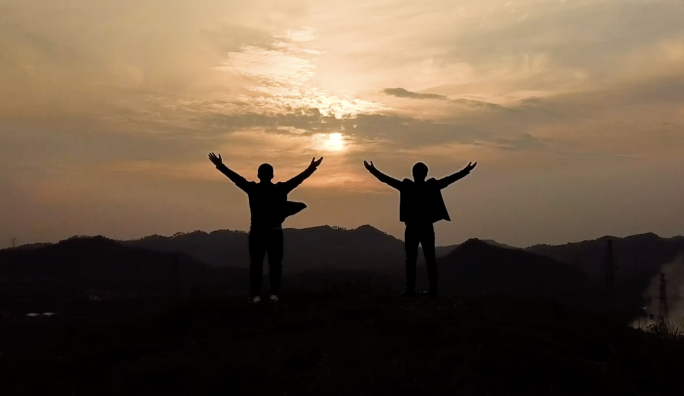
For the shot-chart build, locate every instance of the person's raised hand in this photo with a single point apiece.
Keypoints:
(314, 163)
(215, 160)
(470, 166)
(368, 166)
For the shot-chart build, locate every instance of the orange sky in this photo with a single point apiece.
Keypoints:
(573, 109)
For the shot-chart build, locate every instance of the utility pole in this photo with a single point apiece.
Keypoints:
(662, 306)
(14, 242)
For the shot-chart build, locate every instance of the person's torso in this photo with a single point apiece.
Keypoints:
(421, 203)
(266, 202)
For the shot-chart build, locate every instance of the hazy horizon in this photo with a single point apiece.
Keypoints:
(574, 111)
(400, 237)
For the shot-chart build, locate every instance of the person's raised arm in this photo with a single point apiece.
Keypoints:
(392, 182)
(233, 176)
(445, 181)
(297, 180)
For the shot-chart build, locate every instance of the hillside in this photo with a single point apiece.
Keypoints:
(78, 264)
(637, 261)
(444, 250)
(476, 266)
(316, 248)
(345, 343)
(221, 248)
(82, 263)
(635, 256)
(316, 256)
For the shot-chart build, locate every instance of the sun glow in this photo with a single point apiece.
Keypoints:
(333, 142)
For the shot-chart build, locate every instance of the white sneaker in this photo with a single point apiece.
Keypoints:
(274, 298)
(255, 299)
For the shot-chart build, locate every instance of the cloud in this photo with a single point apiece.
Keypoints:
(282, 71)
(302, 34)
(521, 142)
(402, 93)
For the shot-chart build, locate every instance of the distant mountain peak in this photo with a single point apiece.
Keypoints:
(498, 244)
(474, 243)
(98, 241)
(648, 235)
(368, 228)
(477, 247)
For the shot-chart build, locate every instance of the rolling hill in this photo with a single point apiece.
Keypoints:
(322, 253)
(317, 248)
(476, 266)
(78, 264)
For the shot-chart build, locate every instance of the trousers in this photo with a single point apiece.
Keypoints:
(423, 234)
(260, 243)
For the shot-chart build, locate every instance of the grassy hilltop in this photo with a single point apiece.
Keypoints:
(347, 341)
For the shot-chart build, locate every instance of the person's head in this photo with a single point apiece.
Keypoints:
(265, 173)
(420, 171)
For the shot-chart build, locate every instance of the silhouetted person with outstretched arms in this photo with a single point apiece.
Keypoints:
(269, 208)
(420, 205)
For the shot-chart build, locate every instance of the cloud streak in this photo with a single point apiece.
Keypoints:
(402, 93)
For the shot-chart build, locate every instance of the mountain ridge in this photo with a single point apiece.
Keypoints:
(327, 252)
(180, 234)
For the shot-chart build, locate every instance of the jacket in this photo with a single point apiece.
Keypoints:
(421, 202)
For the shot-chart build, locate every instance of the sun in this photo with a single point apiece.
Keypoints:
(335, 142)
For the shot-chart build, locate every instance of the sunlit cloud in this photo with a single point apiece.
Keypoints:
(303, 34)
(280, 71)
(283, 73)
(403, 93)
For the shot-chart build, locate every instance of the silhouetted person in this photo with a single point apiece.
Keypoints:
(269, 208)
(420, 206)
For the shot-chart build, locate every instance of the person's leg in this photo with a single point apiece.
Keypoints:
(411, 241)
(257, 250)
(427, 240)
(275, 259)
